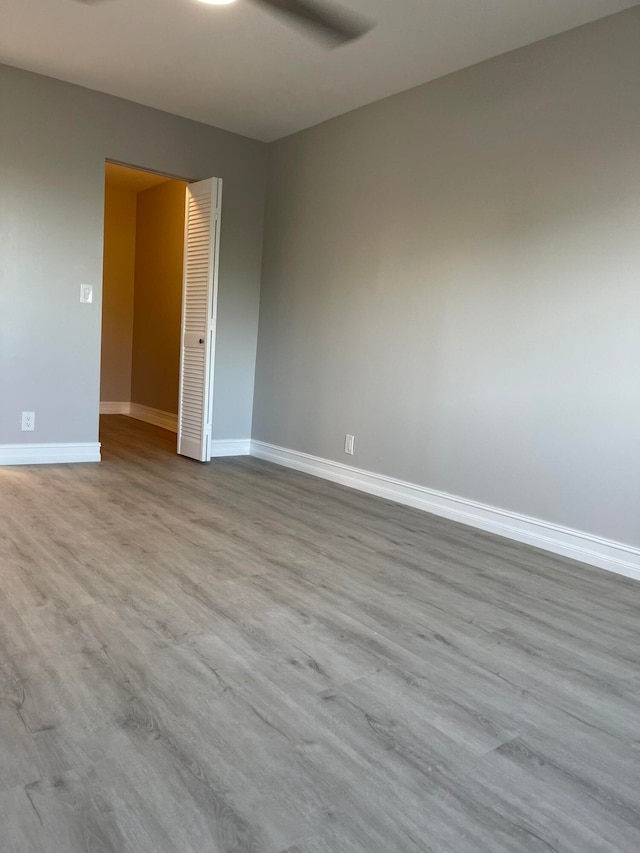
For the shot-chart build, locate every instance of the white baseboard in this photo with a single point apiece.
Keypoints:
(111, 408)
(48, 454)
(166, 420)
(585, 547)
(230, 447)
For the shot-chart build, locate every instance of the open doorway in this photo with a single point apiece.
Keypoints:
(144, 218)
(160, 285)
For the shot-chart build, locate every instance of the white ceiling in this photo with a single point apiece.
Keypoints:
(245, 69)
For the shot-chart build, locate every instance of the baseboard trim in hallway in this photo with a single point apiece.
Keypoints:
(43, 454)
(156, 417)
(585, 547)
(218, 447)
(111, 407)
(166, 420)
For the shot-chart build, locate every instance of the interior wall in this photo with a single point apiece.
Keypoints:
(159, 251)
(117, 286)
(54, 142)
(451, 274)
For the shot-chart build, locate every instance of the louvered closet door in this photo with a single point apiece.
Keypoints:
(199, 298)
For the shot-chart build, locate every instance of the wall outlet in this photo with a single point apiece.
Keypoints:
(28, 421)
(349, 442)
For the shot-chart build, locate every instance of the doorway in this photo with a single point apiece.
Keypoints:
(152, 337)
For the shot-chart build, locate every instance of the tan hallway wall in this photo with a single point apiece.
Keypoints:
(158, 296)
(117, 283)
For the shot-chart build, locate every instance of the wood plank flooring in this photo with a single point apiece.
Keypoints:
(237, 657)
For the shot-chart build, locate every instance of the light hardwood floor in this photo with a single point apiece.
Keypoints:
(237, 657)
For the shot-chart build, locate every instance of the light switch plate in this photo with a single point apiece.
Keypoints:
(86, 293)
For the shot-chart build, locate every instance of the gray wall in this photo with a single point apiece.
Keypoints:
(54, 138)
(453, 275)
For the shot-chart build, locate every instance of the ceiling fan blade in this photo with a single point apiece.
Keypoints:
(334, 24)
